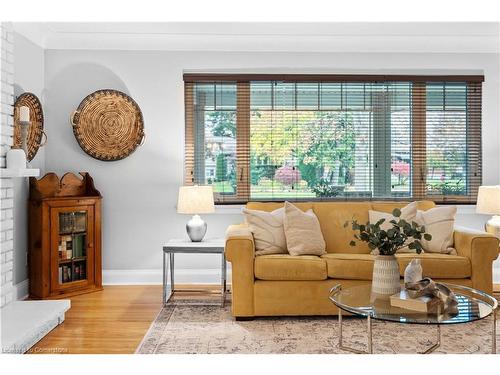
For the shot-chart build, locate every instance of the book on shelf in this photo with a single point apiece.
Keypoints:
(62, 253)
(421, 304)
(66, 274)
(76, 272)
(80, 221)
(78, 245)
(83, 276)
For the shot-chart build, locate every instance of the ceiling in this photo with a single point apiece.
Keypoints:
(472, 37)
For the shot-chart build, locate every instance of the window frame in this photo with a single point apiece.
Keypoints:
(418, 184)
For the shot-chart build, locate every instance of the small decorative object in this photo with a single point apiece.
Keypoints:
(196, 200)
(488, 202)
(413, 271)
(385, 279)
(24, 122)
(108, 125)
(28, 125)
(15, 158)
(427, 287)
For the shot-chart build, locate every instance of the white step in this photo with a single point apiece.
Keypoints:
(24, 323)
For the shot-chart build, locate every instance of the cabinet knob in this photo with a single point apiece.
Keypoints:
(90, 245)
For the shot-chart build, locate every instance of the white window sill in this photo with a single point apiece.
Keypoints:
(235, 209)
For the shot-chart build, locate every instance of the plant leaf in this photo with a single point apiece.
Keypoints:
(396, 212)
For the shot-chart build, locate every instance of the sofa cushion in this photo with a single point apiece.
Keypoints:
(332, 217)
(288, 267)
(442, 266)
(360, 266)
(349, 266)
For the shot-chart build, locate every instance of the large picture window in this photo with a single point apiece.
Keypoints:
(334, 137)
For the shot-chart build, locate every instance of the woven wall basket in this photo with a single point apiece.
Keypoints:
(108, 125)
(35, 130)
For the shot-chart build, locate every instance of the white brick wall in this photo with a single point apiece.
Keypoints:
(6, 187)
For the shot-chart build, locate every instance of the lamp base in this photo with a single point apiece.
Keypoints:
(196, 228)
(493, 226)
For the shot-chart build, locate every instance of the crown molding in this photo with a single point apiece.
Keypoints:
(412, 37)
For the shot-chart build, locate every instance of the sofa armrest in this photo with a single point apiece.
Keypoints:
(240, 251)
(234, 234)
(482, 249)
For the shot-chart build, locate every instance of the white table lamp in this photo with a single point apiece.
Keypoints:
(488, 202)
(196, 200)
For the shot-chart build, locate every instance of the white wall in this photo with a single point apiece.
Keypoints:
(28, 77)
(140, 191)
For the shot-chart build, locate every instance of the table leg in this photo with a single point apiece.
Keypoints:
(494, 333)
(172, 281)
(370, 349)
(438, 341)
(340, 328)
(223, 279)
(164, 296)
(353, 350)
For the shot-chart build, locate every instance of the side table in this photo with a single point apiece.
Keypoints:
(175, 246)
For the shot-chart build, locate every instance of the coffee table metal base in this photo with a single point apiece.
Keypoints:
(430, 349)
(369, 345)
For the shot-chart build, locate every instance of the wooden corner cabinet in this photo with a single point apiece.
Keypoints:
(64, 256)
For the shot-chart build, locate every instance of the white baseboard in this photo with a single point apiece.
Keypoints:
(155, 276)
(21, 290)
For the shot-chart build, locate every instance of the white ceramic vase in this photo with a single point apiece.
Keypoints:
(385, 279)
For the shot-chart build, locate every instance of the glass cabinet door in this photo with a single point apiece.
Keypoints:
(72, 238)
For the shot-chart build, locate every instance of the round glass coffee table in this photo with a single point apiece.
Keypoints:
(359, 300)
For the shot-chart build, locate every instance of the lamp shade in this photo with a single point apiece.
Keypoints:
(488, 200)
(195, 200)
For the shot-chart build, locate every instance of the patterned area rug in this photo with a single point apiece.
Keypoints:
(202, 329)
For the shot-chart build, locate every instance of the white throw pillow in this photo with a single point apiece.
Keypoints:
(267, 229)
(408, 213)
(303, 232)
(439, 223)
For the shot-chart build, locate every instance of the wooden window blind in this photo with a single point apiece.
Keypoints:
(329, 137)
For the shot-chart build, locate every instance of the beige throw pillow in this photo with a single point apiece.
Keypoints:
(267, 229)
(439, 223)
(303, 232)
(408, 213)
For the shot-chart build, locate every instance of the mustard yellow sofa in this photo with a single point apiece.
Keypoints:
(270, 285)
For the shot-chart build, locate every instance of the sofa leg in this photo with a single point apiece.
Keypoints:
(244, 318)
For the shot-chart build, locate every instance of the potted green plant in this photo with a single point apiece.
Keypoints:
(385, 243)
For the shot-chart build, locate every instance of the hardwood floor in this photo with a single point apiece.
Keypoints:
(111, 321)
